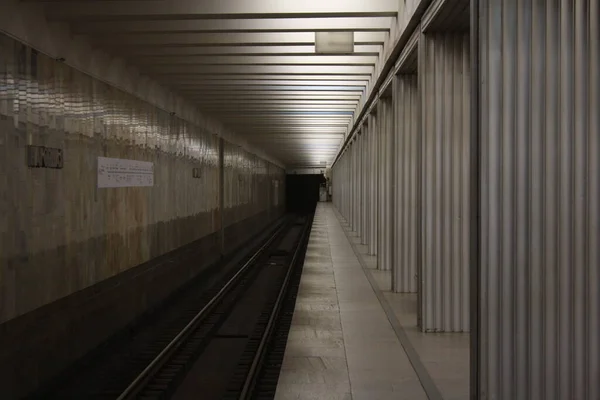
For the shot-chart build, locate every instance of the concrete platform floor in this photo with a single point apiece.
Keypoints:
(351, 338)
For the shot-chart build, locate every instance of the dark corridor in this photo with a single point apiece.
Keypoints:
(302, 192)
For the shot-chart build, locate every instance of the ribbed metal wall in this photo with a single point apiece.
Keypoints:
(355, 187)
(351, 167)
(540, 200)
(361, 183)
(385, 118)
(444, 78)
(357, 184)
(407, 195)
(359, 188)
(356, 169)
(374, 183)
(367, 174)
(364, 170)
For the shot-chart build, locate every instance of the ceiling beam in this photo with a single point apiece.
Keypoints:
(190, 50)
(219, 9)
(229, 39)
(374, 24)
(291, 59)
(261, 69)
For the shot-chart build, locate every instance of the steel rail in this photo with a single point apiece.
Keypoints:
(247, 389)
(138, 383)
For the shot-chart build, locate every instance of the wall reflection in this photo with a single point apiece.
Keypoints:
(58, 232)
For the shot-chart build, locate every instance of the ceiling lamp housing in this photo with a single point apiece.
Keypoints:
(334, 42)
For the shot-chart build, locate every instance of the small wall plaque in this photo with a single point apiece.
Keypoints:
(44, 157)
(117, 172)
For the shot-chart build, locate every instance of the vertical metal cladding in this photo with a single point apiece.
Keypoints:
(380, 154)
(363, 184)
(350, 152)
(374, 183)
(341, 183)
(445, 84)
(354, 180)
(345, 180)
(540, 200)
(59, 233)
(407, 196)
(359, 181)
(366, 195)
(385, 155)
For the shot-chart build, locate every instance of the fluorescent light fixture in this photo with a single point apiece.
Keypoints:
(334, 42)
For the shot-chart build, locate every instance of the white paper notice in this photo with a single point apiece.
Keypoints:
(118, 172)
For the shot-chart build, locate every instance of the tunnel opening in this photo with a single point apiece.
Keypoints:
(302, 192)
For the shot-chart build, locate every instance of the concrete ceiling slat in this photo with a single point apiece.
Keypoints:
(374, 24)
(261, 60)
(191, 50)
(258, 82)
(283, 103)
(279, 97)
(221, 9)
(261, 69)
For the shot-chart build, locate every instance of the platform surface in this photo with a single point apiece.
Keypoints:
(345, 339)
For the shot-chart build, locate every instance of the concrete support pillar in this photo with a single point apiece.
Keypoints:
(539, 137)
(373, 183)
(444, 75)
(406, 250)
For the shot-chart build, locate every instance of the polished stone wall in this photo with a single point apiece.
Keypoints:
(59, 233)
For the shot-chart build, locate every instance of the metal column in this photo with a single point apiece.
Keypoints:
(445, 87)
(374, 183)
(540, 199)
(364, 184)
(384, 243)
(407, 167)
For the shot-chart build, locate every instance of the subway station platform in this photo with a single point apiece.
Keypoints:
(351, 338)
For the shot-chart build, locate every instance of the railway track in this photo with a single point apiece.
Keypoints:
(225, 343)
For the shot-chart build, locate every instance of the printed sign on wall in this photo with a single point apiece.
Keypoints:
(118, 172)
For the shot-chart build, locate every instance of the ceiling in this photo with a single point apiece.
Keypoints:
(249, 63)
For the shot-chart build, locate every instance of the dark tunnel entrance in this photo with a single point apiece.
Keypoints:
(302, 192)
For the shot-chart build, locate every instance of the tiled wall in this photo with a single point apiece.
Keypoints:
(59, 233)
(77, 261)
(249, 193)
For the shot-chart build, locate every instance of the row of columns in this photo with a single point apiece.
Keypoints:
(410, 180)
(483, 190)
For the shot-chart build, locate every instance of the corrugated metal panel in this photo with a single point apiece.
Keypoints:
(367, 194)
(350, 185)
(444, 75)
(364, 170)
(347, 186)
(354, 183)
(384, 242)
(374, 184)
(407, 196)
(540, 230)
(361, 180)
(357, 182)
